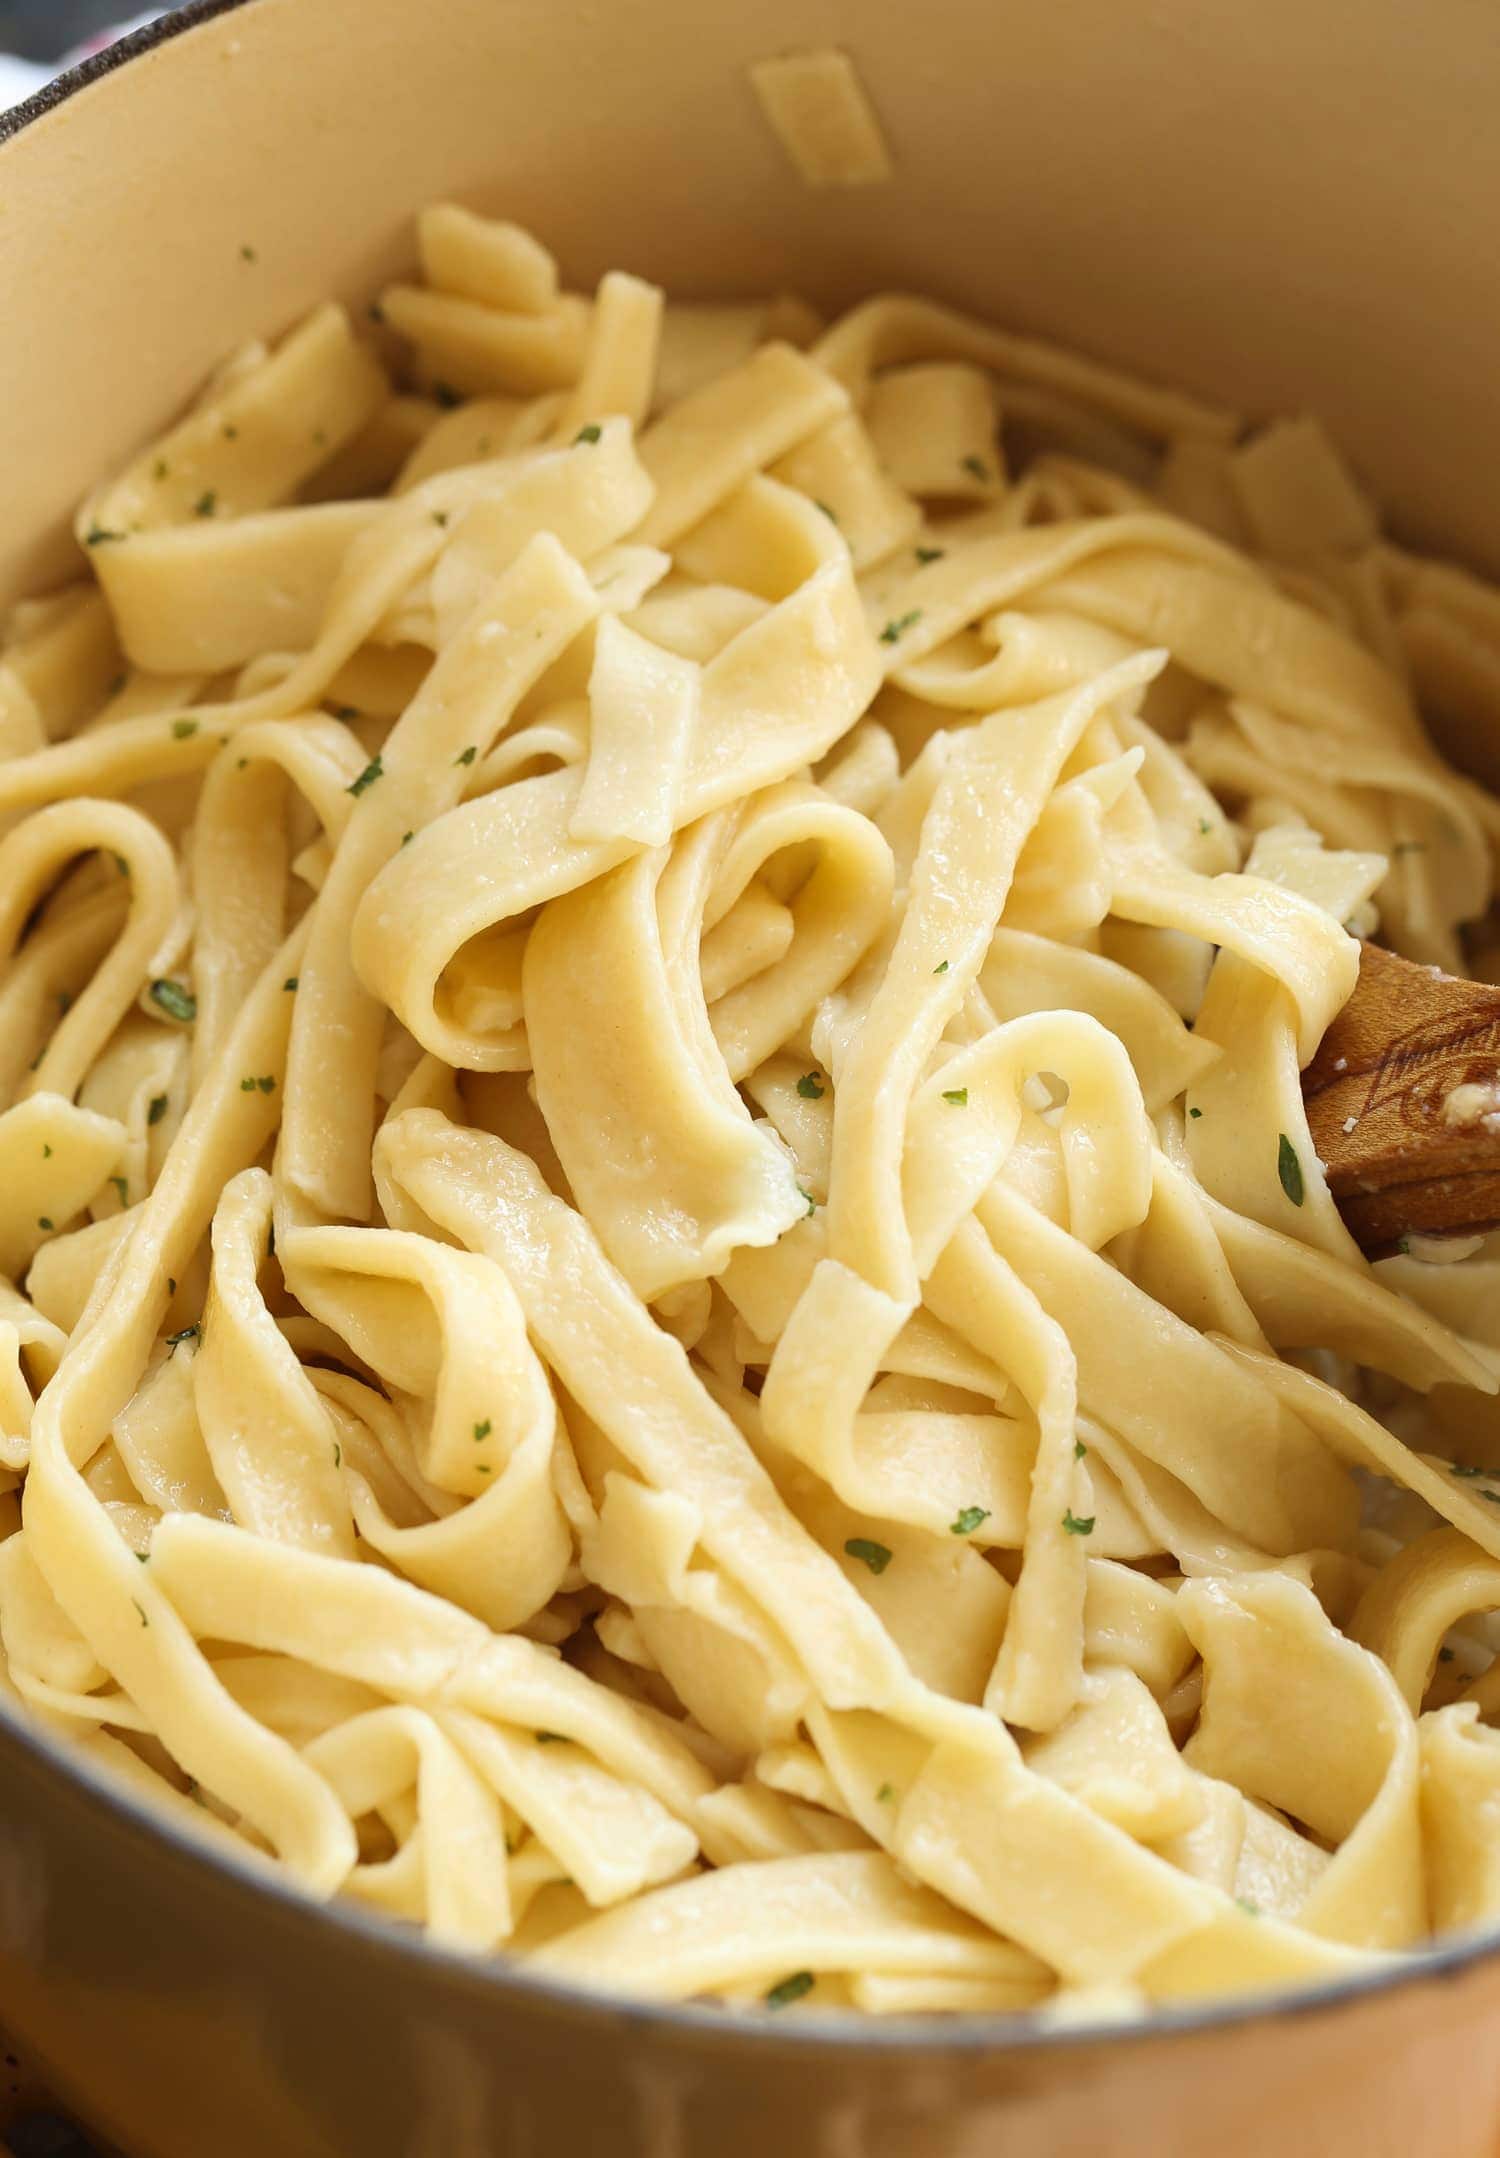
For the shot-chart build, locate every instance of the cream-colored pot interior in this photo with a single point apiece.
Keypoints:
(1288, 205)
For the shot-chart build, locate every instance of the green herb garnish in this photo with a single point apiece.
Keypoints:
(876, 1556)
(290, 983)
(941, 967)
(482, 1431)
(174, 1000)
(1195, 1113)
(367, 777)
(156, 1109)
(123, 1188)
(896, 629)
(827, 512)
(1079, 1449)
(247, 252)
(810, 1087)
(44, 1221)
(1289, 1169)
(968, 1520)
(591, 433)
(1077, 1527)
(977, 466)
(184, 729)
(930, 554)
(790, 1989)
(99, 535)
(467, 756)
(206, 503)
(885, 1794)
(185, 1333)
(958, 1095)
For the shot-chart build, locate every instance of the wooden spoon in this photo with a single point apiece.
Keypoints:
(1403, 1102)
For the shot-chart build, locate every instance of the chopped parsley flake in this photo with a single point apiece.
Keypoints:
(958, 1095)
(827, 512)
(338, 1455)
(265, 1082)
(591, 433)
(1204, 826)
(812, 1204)
(930, 554)
(1079, 1449)
(184, 729)
(123, 1188)
(885, 1794)
(367, 777)
(44, 1221)
(157, 1109)
(290, 983)
(407, 838)
(966, 1522)
(144, 1620)
(99, 535)
(896, 629)
(122, 865)
(1251, 1910)
(1077, 1527)
(247, 253)
(346, 711)
(466, 756)
(206, 503)
(185, 1333)
(977, 466)
(1195, 1112)
(876, 1556)
(231, 432)
(810, 1087)
(1289, 1169)
(790, 1989)
(941, 967)
(1445, 1655)
(46, 1152)
(440, 519)
(482, 1431)
(551, 1738)
(159, 469)
(175, 1001)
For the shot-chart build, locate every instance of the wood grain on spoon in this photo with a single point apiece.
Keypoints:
(1403, 1102)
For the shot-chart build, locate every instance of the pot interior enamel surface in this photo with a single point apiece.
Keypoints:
(1286, 207)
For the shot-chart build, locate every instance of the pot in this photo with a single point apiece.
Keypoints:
(1283, 207)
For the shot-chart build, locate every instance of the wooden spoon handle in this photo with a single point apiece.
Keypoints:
(1403, 1102)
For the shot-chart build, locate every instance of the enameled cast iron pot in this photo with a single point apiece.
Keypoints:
(1288, 205)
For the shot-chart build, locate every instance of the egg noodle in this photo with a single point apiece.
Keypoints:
(667, 1303)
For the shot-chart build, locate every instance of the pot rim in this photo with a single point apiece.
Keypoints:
(495, 1978)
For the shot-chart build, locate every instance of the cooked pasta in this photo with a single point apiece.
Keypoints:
(667, 1304)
